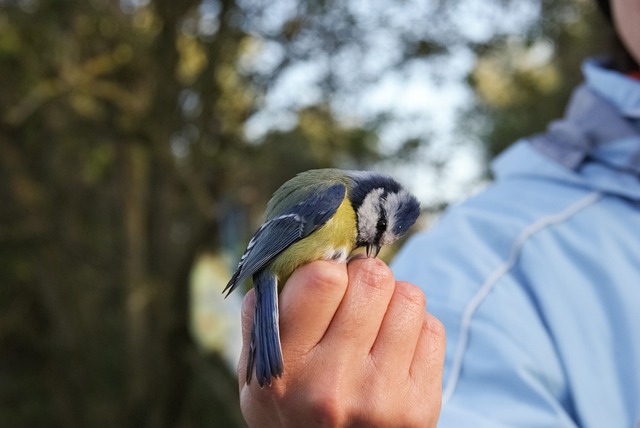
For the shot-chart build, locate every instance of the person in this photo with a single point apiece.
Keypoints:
(536, 281)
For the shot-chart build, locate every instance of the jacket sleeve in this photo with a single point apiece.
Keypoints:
(502, 368)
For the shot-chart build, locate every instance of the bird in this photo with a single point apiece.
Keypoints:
(320, 214)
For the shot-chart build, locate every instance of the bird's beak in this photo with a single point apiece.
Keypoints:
(373, 250)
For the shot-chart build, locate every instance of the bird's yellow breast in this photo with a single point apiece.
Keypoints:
(339, 233)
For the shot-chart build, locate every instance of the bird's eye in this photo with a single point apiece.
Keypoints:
(382, 224)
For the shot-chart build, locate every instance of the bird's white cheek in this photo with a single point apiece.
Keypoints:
(338, 254)
(388, 238)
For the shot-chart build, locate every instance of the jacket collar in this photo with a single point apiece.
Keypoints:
(596, 145)
(601, 123)
(622, 91)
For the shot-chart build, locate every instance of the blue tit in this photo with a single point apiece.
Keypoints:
(319, 214)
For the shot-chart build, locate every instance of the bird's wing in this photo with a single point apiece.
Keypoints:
(301, 187)
(280, 232)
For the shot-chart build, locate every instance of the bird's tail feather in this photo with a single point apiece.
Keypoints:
(265, 352)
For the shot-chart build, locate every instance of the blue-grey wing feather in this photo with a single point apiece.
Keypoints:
(280, 232)
(271, 239)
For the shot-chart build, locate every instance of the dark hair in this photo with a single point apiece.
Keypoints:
(620, 56)
(605, 8)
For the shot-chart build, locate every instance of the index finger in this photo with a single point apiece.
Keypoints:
(308, 303)
(358, 319)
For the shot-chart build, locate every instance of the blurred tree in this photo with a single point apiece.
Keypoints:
(523, 81)
(135, 133)
(122, 150)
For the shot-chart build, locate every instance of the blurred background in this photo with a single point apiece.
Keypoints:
(141, 139)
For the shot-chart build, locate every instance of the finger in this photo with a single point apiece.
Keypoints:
(248, 304)
(362, 309)
(428, 358)
(398, 337)
(308, 303)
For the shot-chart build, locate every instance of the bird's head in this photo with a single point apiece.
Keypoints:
(384, 210)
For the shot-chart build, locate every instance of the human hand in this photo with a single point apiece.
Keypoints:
(359, 349)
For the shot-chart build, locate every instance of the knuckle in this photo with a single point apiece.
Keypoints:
(324, 274)
(326, 408)
(314, 284)
(372, 272)
(435, 328)
(411, 295)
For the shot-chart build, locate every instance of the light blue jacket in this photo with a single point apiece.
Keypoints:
(537, 279)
